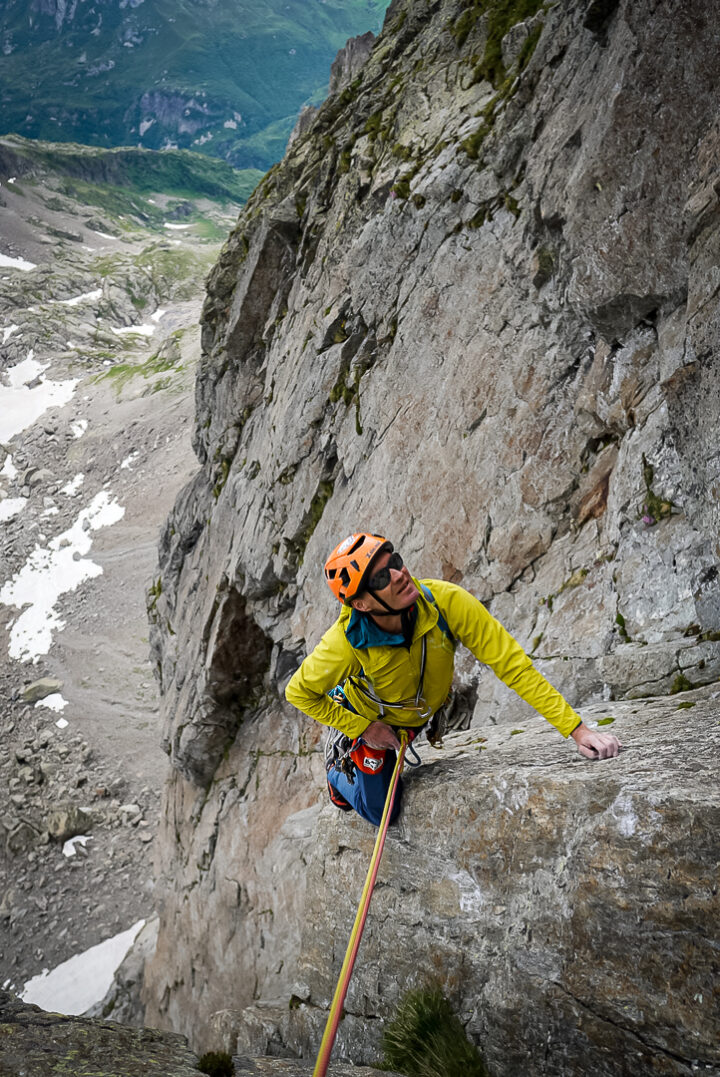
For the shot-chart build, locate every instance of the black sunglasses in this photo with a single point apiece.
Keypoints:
(381, 579)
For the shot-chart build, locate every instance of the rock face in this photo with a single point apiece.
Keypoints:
(122, 1001)
(564, 907)
(474, 309)
(349, 62)
(41, 1044)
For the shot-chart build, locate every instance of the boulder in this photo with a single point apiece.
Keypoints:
(46, 686)
(66, 821)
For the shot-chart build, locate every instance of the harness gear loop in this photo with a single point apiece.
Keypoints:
(326, 1045)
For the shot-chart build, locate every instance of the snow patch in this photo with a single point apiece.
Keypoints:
(25, 371)
(79, 427)
(50, 572)
(69, 846)
(129, 459)
(16, 263)
(11, 506)
(9, 471)
(176, 227)
(8, 332)
(21, 404)
(72, 487)
(145, 125)
(159, 313)
(85, 979)
(53, 702)
(86, 297)
(141, 330)
(62, 723)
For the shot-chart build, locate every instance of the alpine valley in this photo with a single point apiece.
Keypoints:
(226, 77)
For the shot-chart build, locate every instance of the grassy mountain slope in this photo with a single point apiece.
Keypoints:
(171, 171)
(212, 76)
(119, 183)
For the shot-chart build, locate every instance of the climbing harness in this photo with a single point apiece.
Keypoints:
(326, 1045)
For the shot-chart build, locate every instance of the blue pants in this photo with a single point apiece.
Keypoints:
(368, 793)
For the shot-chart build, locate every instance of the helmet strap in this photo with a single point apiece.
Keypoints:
(378, 613)
(403, 614)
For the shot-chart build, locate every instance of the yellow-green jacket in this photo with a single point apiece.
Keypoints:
(393, 671)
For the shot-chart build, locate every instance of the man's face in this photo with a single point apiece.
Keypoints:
(400, 592)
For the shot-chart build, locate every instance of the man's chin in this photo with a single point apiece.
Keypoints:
(408, 598)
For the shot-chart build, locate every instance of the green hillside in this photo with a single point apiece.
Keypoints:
(171, 171)
(119, 183)
(225, 77)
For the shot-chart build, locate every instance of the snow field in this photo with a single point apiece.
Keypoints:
(83, 980)
(51, 571)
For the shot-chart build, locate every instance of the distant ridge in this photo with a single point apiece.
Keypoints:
(170, 171)
(226, 78)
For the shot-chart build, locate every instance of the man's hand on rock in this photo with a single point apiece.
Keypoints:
(380, 735)
(595, 745)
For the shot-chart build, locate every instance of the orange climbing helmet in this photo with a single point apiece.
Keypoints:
(347, 564)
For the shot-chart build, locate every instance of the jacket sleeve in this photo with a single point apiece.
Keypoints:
(492, 644)
(325, 667)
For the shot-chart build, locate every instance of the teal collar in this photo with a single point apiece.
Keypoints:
(363, 632)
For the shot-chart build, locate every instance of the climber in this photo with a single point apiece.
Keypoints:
(387, 663)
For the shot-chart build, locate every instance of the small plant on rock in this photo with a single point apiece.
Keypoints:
(217, 1064)
(426, 1039)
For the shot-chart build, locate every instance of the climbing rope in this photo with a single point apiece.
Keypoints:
(326, 1046)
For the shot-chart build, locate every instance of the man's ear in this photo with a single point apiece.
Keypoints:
(360, 605)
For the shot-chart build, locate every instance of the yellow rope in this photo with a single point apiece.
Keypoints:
(326, 1045)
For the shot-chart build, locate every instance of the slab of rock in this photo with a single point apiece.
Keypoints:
(567, 908)
(33, 1042)
(46, 686)
(276, 1067)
